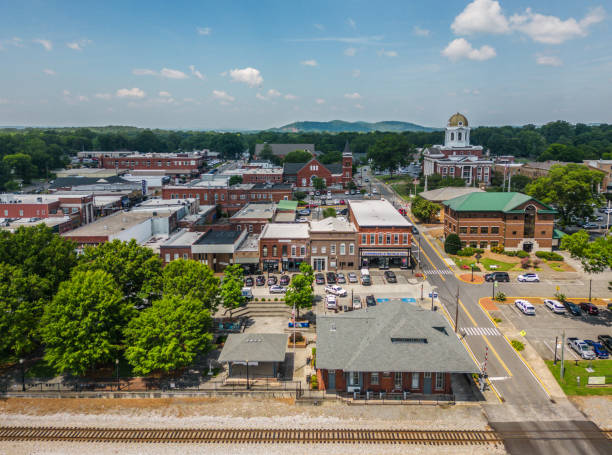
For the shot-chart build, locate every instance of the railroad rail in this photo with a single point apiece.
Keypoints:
(251, 436)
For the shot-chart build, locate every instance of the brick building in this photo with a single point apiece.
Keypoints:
(394, 347)
(253, 217)
(384, 236)
(333, 244)
(282, 150)
(514, 220)
(337, 174)
(79, 207)
(283, 247)
(186, 164)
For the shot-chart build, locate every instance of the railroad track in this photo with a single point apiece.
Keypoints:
(250, 436)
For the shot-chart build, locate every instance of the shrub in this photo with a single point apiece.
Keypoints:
(497, 320)
(525, 263)
(275, 299)
(314, 382)
(549, 255)
(499, 249)
(467, 251)
(509, 253)
(452, 244)
(478, 250)
(522, 254)
(500, 297)
(536, 262)
(516, 344)
(560, 297)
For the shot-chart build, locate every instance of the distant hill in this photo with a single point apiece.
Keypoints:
(340, 126)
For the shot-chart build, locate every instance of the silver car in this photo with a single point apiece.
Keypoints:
(352, 277)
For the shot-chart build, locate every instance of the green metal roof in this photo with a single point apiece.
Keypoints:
(492, 202)
(557, 234)
(287, 205)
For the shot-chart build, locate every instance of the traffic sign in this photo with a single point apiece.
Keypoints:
(522, 333)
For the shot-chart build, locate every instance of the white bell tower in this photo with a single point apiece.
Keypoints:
(457, 132)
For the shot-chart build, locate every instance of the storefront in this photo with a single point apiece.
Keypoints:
(291, 264)
(270, 265)
(383, 258)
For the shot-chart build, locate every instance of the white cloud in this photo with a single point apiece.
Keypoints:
(78, 45)
(418, 31)
(474, 92)
(553, 30)
(204, 31)
(359, 106)
(351, 23)
(356, 73)
(130, 93)
(103, 96)
(272, 93)
(66, 92)
(165, 94)
(352, 96)
(196, 73)
(14, 41)
(44, 43)
(461, 48)
(172, 74)
(144, 72)
(290, 97)
(250, 76)
(309, 62)
(259, 96)
(481, 16)
(320, 101)
(385, 53)
(223, 96)
(549, 60)
(4, 101)
(83, 98)
(49, 72)
(319, 27)
(351, 51)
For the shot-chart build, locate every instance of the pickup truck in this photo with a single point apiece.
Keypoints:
(581, 348)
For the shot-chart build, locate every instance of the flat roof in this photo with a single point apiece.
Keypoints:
(25, 222)
(446, 193)
(182, 238)
(285, 231)
(218, 238)
(332, 224)
(113, 224)
(284, 217)
(377, 213)
(254, 210)
(87, 172)
(166, 202)
(254, 347)
(10, 198)
(251, 243)
(287, 205)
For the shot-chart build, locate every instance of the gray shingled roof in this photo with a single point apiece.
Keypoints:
(254, 347)
(294, 168)
(384, 338)
(64, 182)
(284, 149)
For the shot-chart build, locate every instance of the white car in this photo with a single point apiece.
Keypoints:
(374, 191)
(330, 302)
(525, 306)
(529, 278)
(583, 349)
(335, 290)
(555, 306)
(302, 220)
(346, 193)
(276, 289)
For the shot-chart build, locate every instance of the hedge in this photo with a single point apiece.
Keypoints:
(469, 251)
(549, 255)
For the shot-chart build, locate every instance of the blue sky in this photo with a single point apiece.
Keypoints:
(262, 64)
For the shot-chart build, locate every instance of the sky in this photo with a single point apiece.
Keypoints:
(257, 65)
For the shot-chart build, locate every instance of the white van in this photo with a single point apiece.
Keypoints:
(525, 306)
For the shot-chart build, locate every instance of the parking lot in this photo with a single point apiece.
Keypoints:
(541, 329)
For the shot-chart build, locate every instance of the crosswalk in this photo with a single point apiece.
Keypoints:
(437, 272)
(480, 331)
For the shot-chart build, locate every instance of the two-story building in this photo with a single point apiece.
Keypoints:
(253, 217)
(284, 246)
(177, 164)
(333, 244)
(337, 174)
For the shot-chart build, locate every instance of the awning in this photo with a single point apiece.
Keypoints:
(384, 253)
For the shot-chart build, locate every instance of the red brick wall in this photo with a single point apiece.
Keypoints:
(174, 250)
(151, 163)
(29, 210)
(261, 178)
(386, 382)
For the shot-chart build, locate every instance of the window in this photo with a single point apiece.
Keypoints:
(483, 245)
(452, 136)
(354, 378)
(233, 197)
(494, 243)
(314, 249)
(332, 248)
(541, 232)
(342, 248)
(274, 250)
(238, 227)
(265, 251)
(293, 250)
(302, 251)
(529, 226)
(452, 171)
(473, 244)
(439, 381)
(323, 250)
(473, 230)
(415, 380)
(380, 239)
(364, 238)
(250, 228)
(6, 213)
(396, 238)
(484, 229)
(20, 212)
(513, 232)
(167, 257)
(185, 256)
(463, 230)
(284, 250)
(352, 248)
(404, 238)
(459, 136)
(388, 239)
(372, 239)
(374, 378)
(176, 256)
(398, 380)
(494, 230)
(463, 244)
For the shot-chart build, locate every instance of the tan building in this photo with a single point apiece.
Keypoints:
(606, 167)
(537, 169)
(333, 245)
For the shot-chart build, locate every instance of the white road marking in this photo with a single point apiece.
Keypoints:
(480, 331)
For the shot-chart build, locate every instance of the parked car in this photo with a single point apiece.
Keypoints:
(276, 289)
(330, 302)
(320, 278)
(356, 302)
(598, 349)
(343, 212)
(402, 212)
(340, 278)
(390, 277)
(301, 219)
(365, 277)
(589, 225)
(370, 300)
(366, 180)
(260, 280)
(589, 308)
(581, 348)
(525, 306)
(331, 278)
(346, 193)
(415, 231)
(284, 280)
(352, 277)
(529, 278)
(272, 280)
(498, 276)
(304, 212)
(572, 308)
(248, 281)
(554, 305)
(336, 290)
(606, 340)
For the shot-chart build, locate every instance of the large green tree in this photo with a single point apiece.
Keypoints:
(82, 326)
(299, 291)
(136, 269)
(191, 279)
(572, 189)
(389, 152)
(298, 156)
(595, 256)
(424, 210)
(318, 183)
(231, 288)
(169, 335)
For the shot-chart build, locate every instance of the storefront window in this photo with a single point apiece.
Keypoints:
(265, 251)
(274, 251)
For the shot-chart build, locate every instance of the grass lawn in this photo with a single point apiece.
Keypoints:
(402, 190)
(556, 266)
(501, 266)
(466, 261)
(569, 383)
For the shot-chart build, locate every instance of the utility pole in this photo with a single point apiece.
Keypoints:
(504, 184)
(562, 355)
(556, 344)
(590, 283)
(509, 182)
(607, 220)
(457, 311)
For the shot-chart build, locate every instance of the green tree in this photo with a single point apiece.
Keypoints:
(191, 279)
(136, 269)
(329, 212)
(572, 189)
(300, 292)
(298, 156)
(389, 152)
(331, 157)
(230, 145)
(21, 165)
(81, 328)
(318, 183)
(424, 210)
(267, 155)
(231, 288)
(452, 244)
(595, 256)
(299, 196)
(235, 179)
(436, 181)
(169, 335)
(22, 300)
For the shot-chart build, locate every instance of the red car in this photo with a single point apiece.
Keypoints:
(402, 212)
(342, 202)
(589, 308)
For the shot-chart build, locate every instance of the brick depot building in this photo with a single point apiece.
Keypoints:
(393, 347)
(514, 220)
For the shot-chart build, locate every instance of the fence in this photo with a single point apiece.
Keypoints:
(395, 398)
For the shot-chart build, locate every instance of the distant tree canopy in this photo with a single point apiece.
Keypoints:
(298, 156)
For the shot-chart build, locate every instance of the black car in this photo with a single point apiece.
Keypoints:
(497, 276)
(260, 280)
(320, 278)
(272, 280)
(284, 280)
(370, 300)
(415, 231)
(606, 340)
(343, 212)
(390, 277)
(248, 281)
(331, 278)
(572, 308)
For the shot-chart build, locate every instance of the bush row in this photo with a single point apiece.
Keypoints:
(549, 255)
(469, 251)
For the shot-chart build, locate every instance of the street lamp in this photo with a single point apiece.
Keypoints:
(22, 375)
(472, 267)
(117, 369)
